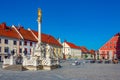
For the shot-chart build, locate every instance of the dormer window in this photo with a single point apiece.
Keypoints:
(110, 46)
(114, 42)
(110, 42)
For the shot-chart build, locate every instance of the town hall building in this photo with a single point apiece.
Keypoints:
(111, 49)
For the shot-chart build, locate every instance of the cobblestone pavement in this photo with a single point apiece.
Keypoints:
(85, 71)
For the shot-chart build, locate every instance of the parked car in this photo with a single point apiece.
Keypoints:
(107, 61)
(115, 61)
(99, 61)
(92, 61)
(76, 63)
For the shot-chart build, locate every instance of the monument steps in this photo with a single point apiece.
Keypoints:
(15, 68)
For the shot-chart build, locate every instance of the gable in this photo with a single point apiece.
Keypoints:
(111, 44)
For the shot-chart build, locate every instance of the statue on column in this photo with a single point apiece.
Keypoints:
(38, 45)
(39, 15)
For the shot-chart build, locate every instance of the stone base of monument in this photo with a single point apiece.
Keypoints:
(32, 68)
(49, 64)
(13, 67)
(13, 63)
(5, 65)
(46, 67)
(30, 63)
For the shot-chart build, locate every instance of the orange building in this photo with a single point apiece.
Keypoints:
(111, 49)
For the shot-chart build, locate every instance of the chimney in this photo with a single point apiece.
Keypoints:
(3, 26)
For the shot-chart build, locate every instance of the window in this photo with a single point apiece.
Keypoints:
(105, 47)
(30, 51)
(103, 52)
(14, 42)
(110, 42)
(119, 47)
(6, 41)
(6, 49)
(110, 46)
(0, 40)
(25, 51)
(25, 42)
(30, 43)
(0, 49)
(20, 43)
(114, 46)
(114, 42)
(20, 50)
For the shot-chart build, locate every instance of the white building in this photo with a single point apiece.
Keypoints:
(20, 40)
(70, 50)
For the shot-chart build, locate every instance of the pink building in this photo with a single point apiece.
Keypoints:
(111, 49)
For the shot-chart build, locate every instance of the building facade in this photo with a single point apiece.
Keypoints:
(71, 51)
(111, 49)
(17, 39)
(85, 53)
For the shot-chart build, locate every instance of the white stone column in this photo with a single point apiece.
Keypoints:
(39, 32)
(38, 45)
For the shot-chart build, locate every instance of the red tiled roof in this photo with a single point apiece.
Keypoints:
(118, 34)
(8, 32)
(72, 45)
(84, 49)
(27, 35)
(112, 44)
(92, 51)
(48, 39)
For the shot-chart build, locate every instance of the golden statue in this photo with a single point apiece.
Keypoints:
(39, 15)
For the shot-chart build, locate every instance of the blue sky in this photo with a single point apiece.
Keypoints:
(87, 23)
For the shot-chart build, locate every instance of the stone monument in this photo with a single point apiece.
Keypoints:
(37, 51)
(40, 57)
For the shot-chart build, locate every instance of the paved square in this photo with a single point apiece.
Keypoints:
(67, 72)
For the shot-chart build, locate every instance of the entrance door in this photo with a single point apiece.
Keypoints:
(103, 57)
(110, 55)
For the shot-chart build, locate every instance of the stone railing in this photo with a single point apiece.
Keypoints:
(30, 62)
(9, 61)
(50, 62)
(33, 61)
(6, 61)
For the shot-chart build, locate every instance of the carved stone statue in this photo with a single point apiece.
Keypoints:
(47, 51)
